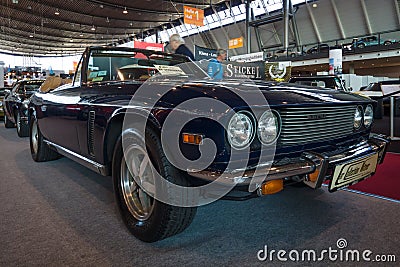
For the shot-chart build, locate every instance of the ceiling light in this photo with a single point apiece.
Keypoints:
(57, 12)
(71, 40)
(31, 35)
(81, 34)
(314, 5)
(125, 11)
(93, 28)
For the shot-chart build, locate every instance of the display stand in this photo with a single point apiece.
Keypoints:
(392, 112)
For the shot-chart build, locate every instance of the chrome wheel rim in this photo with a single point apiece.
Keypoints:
(34, 137)
(137, 182)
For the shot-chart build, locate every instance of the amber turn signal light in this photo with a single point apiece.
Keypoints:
(272, 187)
(313, 177)
(194, 139)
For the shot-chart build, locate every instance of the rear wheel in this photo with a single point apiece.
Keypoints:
(146, 218)
(40, 151)
(22, 127)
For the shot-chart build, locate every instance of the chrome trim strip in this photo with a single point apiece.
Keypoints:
(244, 177)
(311, 162)
(88, 163)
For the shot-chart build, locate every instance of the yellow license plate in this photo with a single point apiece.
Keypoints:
(349, 172)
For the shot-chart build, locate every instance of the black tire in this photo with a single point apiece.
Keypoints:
(40, 151)
(8, 123)
(22, 127)
(158, 220)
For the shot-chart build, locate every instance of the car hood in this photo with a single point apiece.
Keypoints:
(278, 94)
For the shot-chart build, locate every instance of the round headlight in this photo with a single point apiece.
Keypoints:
(368, 116)
(240, 130)
(358, 116)
(268, 127)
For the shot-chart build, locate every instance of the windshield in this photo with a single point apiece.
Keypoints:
(29, 87)
(124, 65)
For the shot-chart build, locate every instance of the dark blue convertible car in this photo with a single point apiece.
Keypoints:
(173, 139)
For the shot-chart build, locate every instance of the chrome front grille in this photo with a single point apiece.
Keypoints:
(313, 124)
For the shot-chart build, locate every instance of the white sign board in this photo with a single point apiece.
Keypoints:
(258, 56)
(169, 70)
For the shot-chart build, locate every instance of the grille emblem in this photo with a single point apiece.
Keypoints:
(316, 116)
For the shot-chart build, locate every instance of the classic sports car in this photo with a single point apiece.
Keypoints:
(180, 139)
(15, 104)
(370, 41)
(320, 48)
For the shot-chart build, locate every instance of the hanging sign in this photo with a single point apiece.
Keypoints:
(201, 53)
(236, 43)
(193, 16)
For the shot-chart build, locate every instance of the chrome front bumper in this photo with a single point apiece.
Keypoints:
(308, 163)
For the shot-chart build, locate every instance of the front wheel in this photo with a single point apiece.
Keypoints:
(40, 151)
(147, 218)
(22, 127)
(8, 123)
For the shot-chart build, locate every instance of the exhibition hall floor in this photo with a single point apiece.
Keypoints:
(59, 213)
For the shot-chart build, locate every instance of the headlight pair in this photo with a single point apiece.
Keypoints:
(365, 116)
(241, 128)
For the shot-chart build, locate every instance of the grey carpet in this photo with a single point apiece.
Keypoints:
(61, 214)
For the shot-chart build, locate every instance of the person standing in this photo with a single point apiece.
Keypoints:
(178, 46)
(215, 69)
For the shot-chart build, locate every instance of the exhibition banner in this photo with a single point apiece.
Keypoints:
(278, 71)
(193, 16)
(201, 53)
(335, 61)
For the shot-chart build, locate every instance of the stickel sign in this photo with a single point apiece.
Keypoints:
(245, 70)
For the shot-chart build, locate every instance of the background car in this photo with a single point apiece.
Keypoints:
(15, 104)
(318, 49)
(370, 41)
(323, 81)
(375, 92)
(284, 53)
